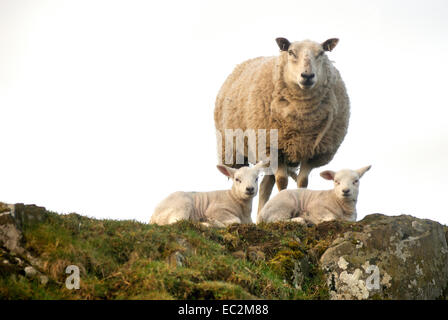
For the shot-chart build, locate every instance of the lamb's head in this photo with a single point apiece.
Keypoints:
(346, 182)
(305, 61)
(245, 179)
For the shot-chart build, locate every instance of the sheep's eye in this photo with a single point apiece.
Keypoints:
(355, 182)
(256, 180)
(291, 53)
(337, 182)
(237, 180)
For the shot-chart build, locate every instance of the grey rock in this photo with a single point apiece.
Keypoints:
(393, 257)
(30, 272)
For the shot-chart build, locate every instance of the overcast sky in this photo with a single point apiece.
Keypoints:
(106, 107)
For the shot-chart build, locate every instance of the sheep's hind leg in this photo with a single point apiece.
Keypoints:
(266, 186)
(302, 178)
(281, 176)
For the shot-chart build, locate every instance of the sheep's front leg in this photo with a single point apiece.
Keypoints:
(266, 186)
(302, 179)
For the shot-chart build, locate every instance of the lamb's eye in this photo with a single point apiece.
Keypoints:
(238, 180)
(256, 180)
(292, 53)
(337, 182)
(355, 182)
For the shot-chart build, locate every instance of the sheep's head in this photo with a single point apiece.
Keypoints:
(305, 61)
(245, 179)
(346, 182)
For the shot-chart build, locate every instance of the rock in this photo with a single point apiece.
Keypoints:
(43, 279)
(10, 235)
(26, 215)
(30, 272)
(177, 259)
(398, 257)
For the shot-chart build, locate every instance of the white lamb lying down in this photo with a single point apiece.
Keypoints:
(311, 206)
(215, 208)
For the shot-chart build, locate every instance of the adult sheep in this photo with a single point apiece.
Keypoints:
(301, 94)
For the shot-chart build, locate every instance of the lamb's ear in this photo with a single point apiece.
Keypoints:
(263, 164)
(363, 170)
(283, 44)
(328, 174)
(330, 44)
(225, 170)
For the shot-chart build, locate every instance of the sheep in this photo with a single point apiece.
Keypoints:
(313, 207)
(301, 94)
(215, 208)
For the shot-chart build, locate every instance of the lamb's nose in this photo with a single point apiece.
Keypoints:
(307, 76)
(250, 189)
(346, 191)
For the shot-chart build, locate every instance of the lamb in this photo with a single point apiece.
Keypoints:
(310, 206)
(301, 94)
(215, 208)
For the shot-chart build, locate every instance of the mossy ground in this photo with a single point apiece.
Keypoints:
(132, 260)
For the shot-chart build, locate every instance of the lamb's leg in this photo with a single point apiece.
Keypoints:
(281, 176)
(213, 223)
(266, 186)
(302, 179)
(220, 220)
(299, 220)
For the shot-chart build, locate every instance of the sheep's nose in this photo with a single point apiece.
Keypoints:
(346, 191)
(307, 76)
(250, 189)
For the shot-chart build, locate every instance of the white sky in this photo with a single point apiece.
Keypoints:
(106, 107)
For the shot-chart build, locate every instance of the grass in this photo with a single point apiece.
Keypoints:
(132, 260)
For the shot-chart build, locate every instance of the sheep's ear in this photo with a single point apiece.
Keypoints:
(363, 170)
(283, 44)
(328, 174)
(330, 44)
(225, 170)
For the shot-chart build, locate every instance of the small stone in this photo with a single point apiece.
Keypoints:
(30, 272)
(5, 262)
(177, 259)
(43, 279)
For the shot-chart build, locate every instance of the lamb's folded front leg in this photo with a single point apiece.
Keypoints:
(299, 220)
(220, 217)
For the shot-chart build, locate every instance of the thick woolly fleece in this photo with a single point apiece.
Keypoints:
(312, 123)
